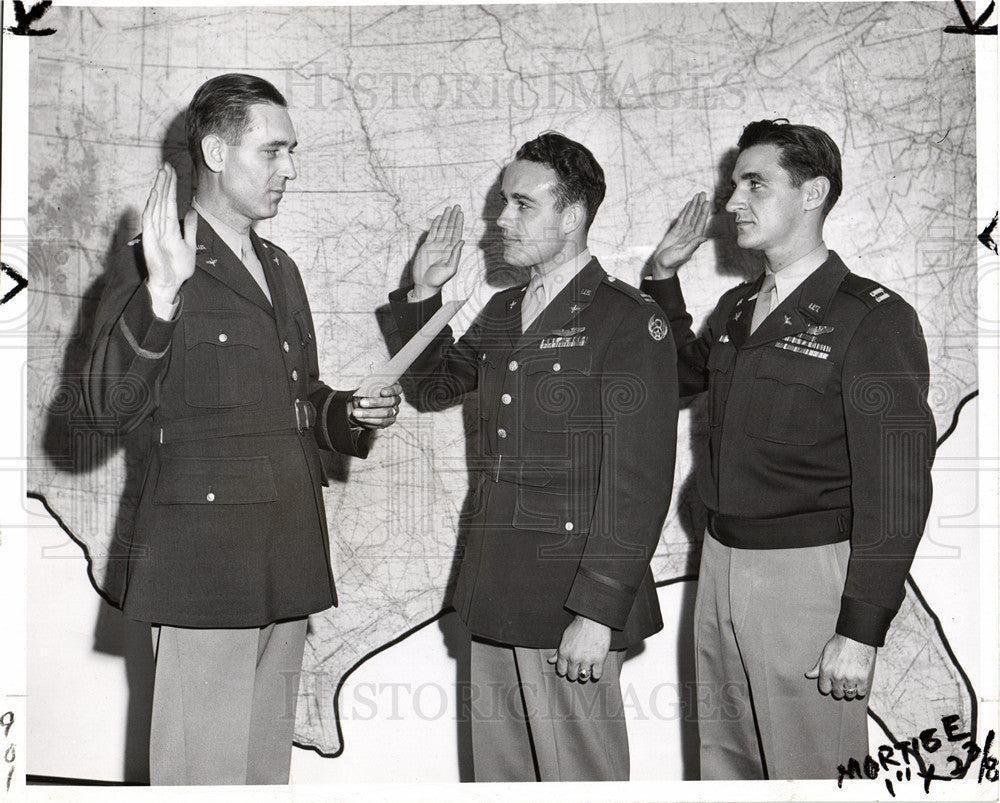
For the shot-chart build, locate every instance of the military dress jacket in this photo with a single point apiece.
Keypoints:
(230, 528)
(819, 427)
(578, 433)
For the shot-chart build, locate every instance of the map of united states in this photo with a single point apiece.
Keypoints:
(401, 110)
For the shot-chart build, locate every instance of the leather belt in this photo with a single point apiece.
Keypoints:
(298, 417)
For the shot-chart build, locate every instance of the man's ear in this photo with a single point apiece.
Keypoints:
(213, 151)
(574, 217)
(816, 190)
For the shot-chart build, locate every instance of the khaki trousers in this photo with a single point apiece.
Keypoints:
(530, 724)
(762, 617)
(224, 704)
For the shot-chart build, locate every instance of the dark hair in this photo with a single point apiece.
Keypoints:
(805, 152)
(580, 176)
(222, 106)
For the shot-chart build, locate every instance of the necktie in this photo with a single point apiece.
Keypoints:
(534, 301)
(252, 264)
(765, 300)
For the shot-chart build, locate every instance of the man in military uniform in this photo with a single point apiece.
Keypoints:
(817, 479)
(205, 346)
(578, 405)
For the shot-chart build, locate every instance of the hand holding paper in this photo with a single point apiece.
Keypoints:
(397, 366)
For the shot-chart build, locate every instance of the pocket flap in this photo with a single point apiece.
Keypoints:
(553, 512)
(791, 368)
(215, 481)
(574, 360)
(219, 328)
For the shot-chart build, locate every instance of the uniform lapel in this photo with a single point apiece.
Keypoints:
(806, 305)
(215, 258)
(271, 263)
(738, 325)
(573, 299)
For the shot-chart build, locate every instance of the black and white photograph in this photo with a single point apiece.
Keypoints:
(422, 402)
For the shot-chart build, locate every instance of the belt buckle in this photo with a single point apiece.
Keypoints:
(305, 415)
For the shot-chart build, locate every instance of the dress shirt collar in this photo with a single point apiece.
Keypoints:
(556, 279)
(793, 274)
(236, 240)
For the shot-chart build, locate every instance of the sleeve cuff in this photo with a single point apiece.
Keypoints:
(863, 621)
(600, 598)
(147, 335)
(342, 436)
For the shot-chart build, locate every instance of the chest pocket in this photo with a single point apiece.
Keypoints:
(222, 364)
(556, 386)
(787, 399)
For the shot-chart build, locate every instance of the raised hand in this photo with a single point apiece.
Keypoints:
(682, 238)
(437, 259)
(169, 255)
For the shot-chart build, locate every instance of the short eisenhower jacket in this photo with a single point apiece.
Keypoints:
(819, 427)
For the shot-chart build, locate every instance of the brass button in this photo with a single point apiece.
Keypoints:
(210, 496)
(512, 365)
(569, 526)
(284, 345)
(223, 337)
(556, 367)
(502, 432)
(295, 375)
(505, 398)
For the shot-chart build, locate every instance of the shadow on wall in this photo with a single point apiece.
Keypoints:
(74, 446)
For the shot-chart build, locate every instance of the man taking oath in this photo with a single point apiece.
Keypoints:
(577, 392)
(817, 479)
(204, 346)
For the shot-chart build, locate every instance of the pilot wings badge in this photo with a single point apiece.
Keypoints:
(818, 330)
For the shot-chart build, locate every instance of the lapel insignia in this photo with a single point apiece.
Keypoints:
(585, 291)
(276, 262)
(788, 321)
(512, 304)
(200, 247)
(657, 328)
(818, 330)
(815, 308)
(879, 294)
(723, 338)
(211, 261)
(563, 341)
(738, 303)
(736, 317)
(573, 310)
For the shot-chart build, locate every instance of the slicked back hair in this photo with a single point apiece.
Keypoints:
(581, 178)
(805, 152)
(222, 106)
